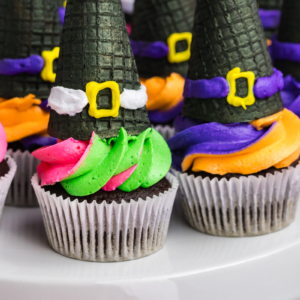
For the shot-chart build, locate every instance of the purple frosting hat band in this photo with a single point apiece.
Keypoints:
(285, 51)
(33, 64)
(270, 18)
(62, 12)
(218, 87)
(154, 50)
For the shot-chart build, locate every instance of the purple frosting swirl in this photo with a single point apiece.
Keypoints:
(154, 50)
(285, 51)
(32, 65)
(291, 95)
(36, 141)
(162, 117)
(270, 18)
(213, 138)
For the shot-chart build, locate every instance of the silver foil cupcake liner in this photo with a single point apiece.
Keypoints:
(5, 181)
(21, 192)
(165, 130)
(240, 207)
(106, 232)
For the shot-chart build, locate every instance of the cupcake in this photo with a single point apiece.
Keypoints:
(270, 12)
(7, 169)
(238, 169)
(29, 40)
(103, 189)
(160, 38)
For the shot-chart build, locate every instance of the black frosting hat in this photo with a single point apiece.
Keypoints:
(155, 21)
(27, 27)
(228, 35)
(288, 38)
(95, 47)
(270, 4)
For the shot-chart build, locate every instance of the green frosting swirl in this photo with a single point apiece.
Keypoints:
(108, 158)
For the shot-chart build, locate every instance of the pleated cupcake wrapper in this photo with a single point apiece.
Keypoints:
(21, 192)
(247, 206)
(165, 130)
(106, 232)
(5, 182)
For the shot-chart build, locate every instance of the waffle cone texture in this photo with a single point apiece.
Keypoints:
(156, 20)
(27, 27)
(95, 47)
(229, 34)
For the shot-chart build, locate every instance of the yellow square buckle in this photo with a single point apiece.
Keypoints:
(92, 90)
(179, 57)
(234, 100)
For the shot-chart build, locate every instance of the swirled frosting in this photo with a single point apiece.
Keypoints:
(125, 162)
(165, 97)
(23, 117)
(238, 148)
(291, 95)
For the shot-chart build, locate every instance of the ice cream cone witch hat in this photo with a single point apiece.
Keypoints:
(161, 36)
(97, 83)
(270, 11)
(29, 44)
(286, 45)
(230, 78)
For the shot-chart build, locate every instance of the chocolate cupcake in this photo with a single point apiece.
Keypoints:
(237, 159)
(160, 38)
(8, 169)
(29, 46)
(104, 191)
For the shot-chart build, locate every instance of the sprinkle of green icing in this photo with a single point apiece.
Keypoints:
(148, 151)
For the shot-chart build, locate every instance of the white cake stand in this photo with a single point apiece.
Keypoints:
(191, 266)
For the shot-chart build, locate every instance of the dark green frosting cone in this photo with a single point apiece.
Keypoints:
(229, 34)
(27, 27)
(156, 20)
(95, 47)
(289, 32)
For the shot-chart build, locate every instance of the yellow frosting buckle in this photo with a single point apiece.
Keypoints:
(179, 57)
(65, 3)
(92, 90)
(49, 57)
(234, 100)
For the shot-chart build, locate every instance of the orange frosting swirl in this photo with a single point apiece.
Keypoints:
(279, 149)
(164, 94)
(22, 117)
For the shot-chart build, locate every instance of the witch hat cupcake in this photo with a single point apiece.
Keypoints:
(161, 36)
(101, 55)
(230, 69)
(286, 45)
(109, 164)
(270, 11)
(242, 178)
(29, 46)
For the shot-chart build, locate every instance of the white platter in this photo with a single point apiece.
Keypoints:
(191, 266)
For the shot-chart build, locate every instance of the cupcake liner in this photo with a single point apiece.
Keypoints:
(5, 182)
(248, 206)
(106, 232)
(166, 131)
(21, 192)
